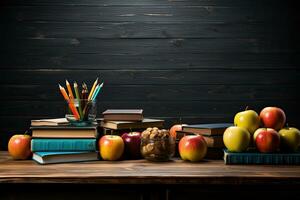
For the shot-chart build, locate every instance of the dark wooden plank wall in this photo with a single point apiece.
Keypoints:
(202, 60)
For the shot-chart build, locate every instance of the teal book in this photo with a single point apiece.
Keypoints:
(88, 144)
(64, 157)
(255, 157)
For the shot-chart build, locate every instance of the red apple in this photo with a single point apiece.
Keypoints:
(132, 141)
(192, 148)
(19, 147)
(174, 128)
(111, 147)
(273, 117)
(267, 141)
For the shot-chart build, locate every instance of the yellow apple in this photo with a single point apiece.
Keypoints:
(247, 119)
(111, 147)
(236, 139)
(289, 138)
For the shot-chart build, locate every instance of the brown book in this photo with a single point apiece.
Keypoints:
(207, 129)
(145, 123)
(211, 141)
(214, 141)
(64, 132)
(123, 115)
(50, 122)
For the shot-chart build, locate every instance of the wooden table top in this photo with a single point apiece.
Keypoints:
(144, 172)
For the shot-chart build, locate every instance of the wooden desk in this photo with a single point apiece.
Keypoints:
(142, 179)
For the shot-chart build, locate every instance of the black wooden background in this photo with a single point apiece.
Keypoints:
(201, 60)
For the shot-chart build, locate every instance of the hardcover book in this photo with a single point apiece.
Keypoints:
(207, 129)
(62, 144)
(50, 122)
(145, 123)
(215, 141)
(63, 157)
(123, 115)
(262, 158)
(64, 132)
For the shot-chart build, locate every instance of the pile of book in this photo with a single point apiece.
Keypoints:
(56, 141)
(118, 121)
(213, 135)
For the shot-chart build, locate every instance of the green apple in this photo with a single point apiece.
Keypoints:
(289, 138)
(247, 119)
(236, 139)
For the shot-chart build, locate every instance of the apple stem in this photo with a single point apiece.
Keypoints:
(246, 107)
(287, 125)
(180, 120)
(26, 132)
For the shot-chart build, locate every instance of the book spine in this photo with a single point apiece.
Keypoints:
(261, 159)
(63, 145)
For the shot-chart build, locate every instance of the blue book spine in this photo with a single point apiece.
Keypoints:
(262, 158)
(63, 145)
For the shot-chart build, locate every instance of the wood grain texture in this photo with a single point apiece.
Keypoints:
(144, 172)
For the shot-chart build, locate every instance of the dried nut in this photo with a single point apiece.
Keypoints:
(150, 147)
(156, 144)
(145, 134)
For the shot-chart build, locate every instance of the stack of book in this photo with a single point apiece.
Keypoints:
(117, 121)
(213, 135)
(56, 141)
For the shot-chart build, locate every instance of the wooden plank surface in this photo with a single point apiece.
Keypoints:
(144, 172)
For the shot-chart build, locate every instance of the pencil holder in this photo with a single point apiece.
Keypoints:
(81, 112)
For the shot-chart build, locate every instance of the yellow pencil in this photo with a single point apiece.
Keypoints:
(69, 90)
(92, 90)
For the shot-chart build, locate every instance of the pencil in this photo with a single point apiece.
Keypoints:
(69, 89)
(71, 105)
(78, 99)
(92, 90)
(63, 92)
(97, 91)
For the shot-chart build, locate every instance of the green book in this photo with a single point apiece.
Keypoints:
(64, 157)
(255, 157)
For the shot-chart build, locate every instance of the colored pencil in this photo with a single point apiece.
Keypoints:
(84, 95)
(78, 99)
(97, 91)
(71, 105)
(69, 89)
(93, 88)
(75, 112)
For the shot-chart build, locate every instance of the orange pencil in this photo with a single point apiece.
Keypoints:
(92, 90)
(63, 92)
(71, 105)
(69, 89)
(75, 111)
